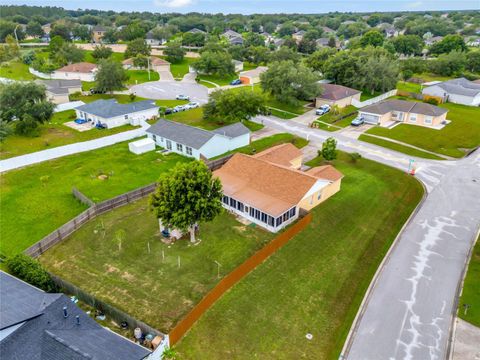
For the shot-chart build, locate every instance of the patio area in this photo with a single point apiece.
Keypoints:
(80, 127)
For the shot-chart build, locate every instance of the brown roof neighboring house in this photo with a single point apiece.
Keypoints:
(282, 154)
(154, 61)
(272, 188)
(81, 67)
(415, 107)
(337, 92)
(327, 172)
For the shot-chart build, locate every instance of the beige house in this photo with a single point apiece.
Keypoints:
(58, 91)
(337, 95)
(269, 190)
(298, 36)
(156, 64)
(252, 76)
(386, 113)
(97, 33)
(80, 71)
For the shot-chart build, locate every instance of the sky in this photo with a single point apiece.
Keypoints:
(259, 6)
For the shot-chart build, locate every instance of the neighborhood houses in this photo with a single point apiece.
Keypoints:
(198, 143)
(181, 183)
(266, 190)
(110, 114)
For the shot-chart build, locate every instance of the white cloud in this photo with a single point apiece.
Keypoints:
(173, 3)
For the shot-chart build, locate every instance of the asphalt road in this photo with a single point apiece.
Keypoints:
(168, 90)
(409, 310)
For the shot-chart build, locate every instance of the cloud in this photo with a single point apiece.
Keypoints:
(173, 3)
(415, 4)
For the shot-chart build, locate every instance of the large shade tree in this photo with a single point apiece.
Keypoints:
(186, 196)
(110, 75)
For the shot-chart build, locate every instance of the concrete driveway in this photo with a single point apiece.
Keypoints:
(354, 132)
(168, 90)
(166, 76)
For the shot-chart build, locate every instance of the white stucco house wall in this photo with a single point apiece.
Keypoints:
(83, 71)
(112, 114)
(198, 143)
(458, 91)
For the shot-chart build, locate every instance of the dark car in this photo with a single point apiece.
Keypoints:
(358, 121)
(236, 82)
(168, 111)
(96, 91)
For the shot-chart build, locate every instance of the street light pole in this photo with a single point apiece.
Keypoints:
(15, 32)
(148, 64)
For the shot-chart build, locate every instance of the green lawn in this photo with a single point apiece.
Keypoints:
(16, 70)
(398, 147)
(427, 77)
(332, 118)
(141, 76)
(181, 69)
(453, 140)
(140, 283)
(367, 95)
(409, 87)
(53, 134)
(218, 80)
(471, 290)
(316, 282)
(37, 199)
(267, 142)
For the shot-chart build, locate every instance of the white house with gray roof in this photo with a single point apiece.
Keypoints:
(198, 143)
(458, 91)
(112, 114)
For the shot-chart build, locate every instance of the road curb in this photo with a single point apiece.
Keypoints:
(363, 305)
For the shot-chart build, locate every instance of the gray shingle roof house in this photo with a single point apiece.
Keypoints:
(33, 327)
(57, 91)
(198, 143)
(112, 114)
(410, 112)
(459, 91)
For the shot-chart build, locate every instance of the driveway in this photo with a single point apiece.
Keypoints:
(354, 132)
(166, 76)
(409, 308)
(306, 118)
(168, 90)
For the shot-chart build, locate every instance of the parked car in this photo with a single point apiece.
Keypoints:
(323, 110)
(96, 91)
(183, 97)
(168, 111)
(100, 126)
(80, 121)
(236, 82)
(192, 105)
(179, 108)
(357, 121)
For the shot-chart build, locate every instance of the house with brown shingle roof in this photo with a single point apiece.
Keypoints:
(268, 188)
(388, 112)
(339, 95)
(79, 71)
(156, 64)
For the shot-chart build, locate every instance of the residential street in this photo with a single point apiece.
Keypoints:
(408, 313)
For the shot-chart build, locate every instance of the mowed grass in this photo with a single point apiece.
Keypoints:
(16, 70)
(142, 283)
(53, 134)
(409, 87)
(398, 147)
(141, 76)
(471, 290)
(179, 70)
(455, 139)
(316, 282)
(37, 199)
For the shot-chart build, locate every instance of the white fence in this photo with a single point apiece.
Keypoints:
(40, 74)
(360, 104)
(68, 106)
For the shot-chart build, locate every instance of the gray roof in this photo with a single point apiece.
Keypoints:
(460, 86)
(110, 108)
(404, 106)
(196, 31)
(192, 136)
(60, 86)
(50, 336)
(99, 28)
(233, 130)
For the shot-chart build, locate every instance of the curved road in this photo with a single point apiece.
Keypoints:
(409, 309)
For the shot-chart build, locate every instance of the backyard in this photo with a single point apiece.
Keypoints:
(37, 199)
(316, 282)
(455, 139)
(15, 70)
(150, 285)
(471, 290)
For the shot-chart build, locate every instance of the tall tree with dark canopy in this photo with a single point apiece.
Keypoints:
(186, 196)
(110, 76)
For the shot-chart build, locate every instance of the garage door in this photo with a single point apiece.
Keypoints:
(371, 119)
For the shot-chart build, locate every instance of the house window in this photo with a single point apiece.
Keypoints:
(428, 120)
(240, 206)
(279, 221)
(189, 150)
(271, 221)
(126, 117)
(246, 209)
(225, 199)
(154, 137)
(257, 214)
(264, 217)
(233, 203)
(169, 145)
(319, 196)
(293, 211)
(180, 147)
(161, 139)
(413, 117)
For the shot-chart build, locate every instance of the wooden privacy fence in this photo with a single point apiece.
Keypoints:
(117, 315)
(235, 276)
(97, 209)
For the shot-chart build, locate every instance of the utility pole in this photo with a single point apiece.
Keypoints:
(148, 64)
(15, 32)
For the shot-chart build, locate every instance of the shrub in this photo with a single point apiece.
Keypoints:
(31, 271)
(432, 101)
(354, 157)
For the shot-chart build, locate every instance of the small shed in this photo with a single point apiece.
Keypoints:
(141, 146)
